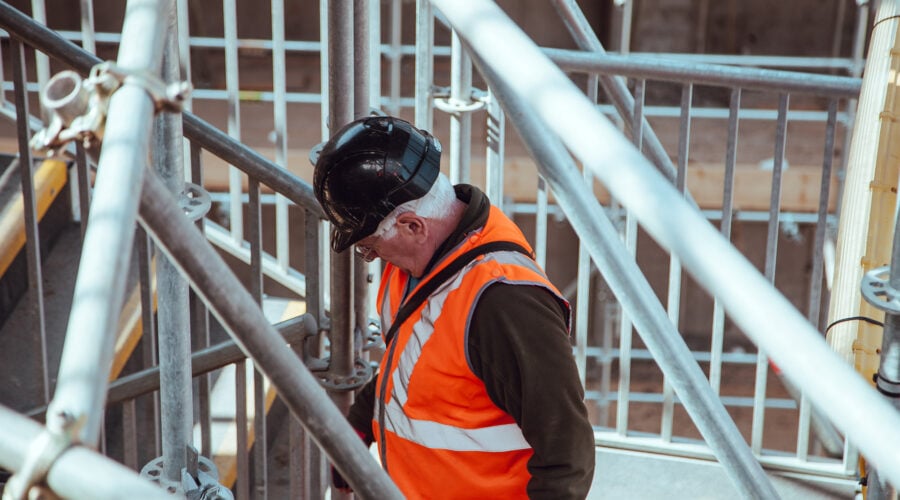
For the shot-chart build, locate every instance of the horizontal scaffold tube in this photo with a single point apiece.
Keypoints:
(655, 68)
(206, 360)
(136, 384)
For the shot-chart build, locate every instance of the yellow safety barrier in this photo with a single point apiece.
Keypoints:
(48, 183)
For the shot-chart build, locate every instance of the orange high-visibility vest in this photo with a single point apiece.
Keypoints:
(443, 437)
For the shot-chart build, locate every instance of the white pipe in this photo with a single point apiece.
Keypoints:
(106, 254)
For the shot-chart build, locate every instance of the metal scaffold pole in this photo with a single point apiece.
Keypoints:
(173, 310)
(362, 106)
(424, 64)
(99, 287)
(460, 122)
(883, 293)
(341, 87)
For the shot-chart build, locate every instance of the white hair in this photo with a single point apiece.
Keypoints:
(435, 204)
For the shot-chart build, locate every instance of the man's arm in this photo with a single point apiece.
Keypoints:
(518, 345)
(363, 410)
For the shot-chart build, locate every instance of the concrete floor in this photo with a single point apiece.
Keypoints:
(630, 474)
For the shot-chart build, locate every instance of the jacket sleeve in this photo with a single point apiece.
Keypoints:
(519, 346)
(362, 412)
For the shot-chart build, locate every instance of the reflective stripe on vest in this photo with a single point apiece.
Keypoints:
(435, 435)
(438, 436)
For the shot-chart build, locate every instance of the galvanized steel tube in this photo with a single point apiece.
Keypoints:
(324, 62)
(584, 275)
(99, 288)
(342, 103)
(250, 162)
(718, 325)
(32, 231)
(305, 455)
(42, 62)
(255, 286)
(373, 20)
(232, 86)
(762, 360)
(173, 310)
(149, 351)
(460, 122)
(496, 139)
(362, 64)
(84, 186)
(341, 84)
(362, 106)
(424, 64)
(673, 301)
(656, 68)
(87, 26)
(294, 331)
(396, 55)
(888, 379)
(279, 107)
(237, 311)
(756, 307)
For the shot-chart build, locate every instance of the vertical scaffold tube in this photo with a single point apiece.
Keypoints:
(172, 290)
(99, 287)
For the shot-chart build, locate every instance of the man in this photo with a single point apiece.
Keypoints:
(477, 395)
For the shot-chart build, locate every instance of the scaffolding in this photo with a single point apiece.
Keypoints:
(315, 360)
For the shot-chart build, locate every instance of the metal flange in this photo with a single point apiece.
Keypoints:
(194, 201)
(878, 292)
(362, 373)
(153, 471)
(442, 101)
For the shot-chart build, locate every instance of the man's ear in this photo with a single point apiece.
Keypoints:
(412, 224)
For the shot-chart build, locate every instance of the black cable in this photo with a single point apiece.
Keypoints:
(854, 318)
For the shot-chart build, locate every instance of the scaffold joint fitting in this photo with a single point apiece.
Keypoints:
(59, 435)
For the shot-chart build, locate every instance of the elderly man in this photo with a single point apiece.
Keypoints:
(477, 395)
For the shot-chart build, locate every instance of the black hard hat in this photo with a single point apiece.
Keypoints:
(369, 168)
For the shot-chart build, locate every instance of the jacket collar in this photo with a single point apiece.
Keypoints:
(475, 216)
